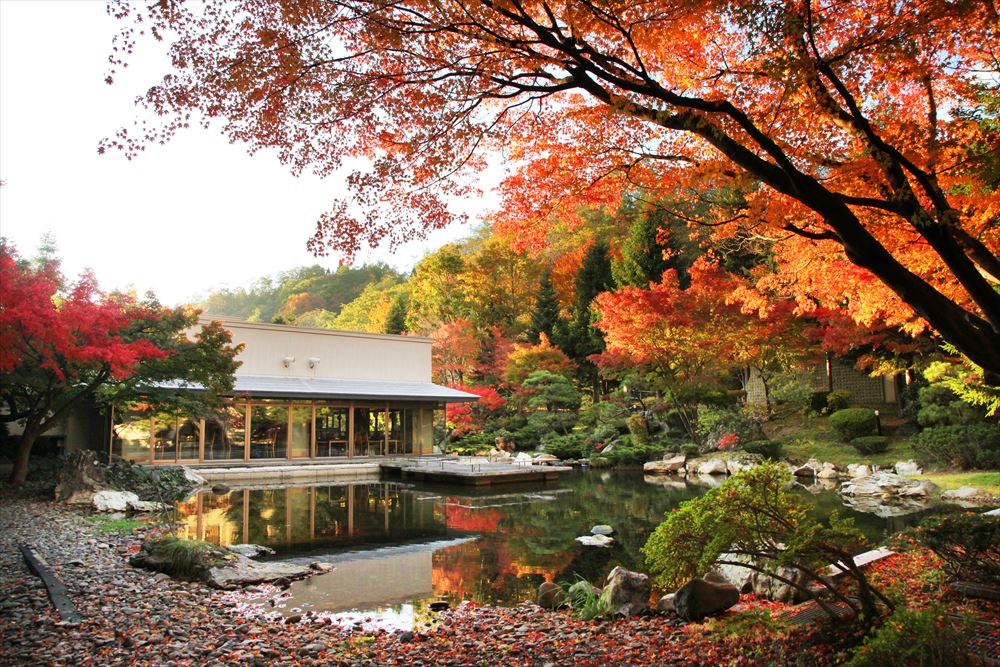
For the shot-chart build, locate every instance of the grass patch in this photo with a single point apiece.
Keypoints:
(186, 558)
(118, 526)
(807, 436)
(987, 481)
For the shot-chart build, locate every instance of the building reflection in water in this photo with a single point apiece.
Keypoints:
(302, 518)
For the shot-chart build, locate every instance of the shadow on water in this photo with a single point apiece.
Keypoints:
(396, 546)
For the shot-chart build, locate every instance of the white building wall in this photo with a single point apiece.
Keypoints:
(344, 355)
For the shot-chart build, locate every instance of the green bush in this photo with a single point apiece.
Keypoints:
(753, 515)
(964, 445)
(717, 424)
(853, 423)
(791, 389)
(838, 400)
(627, 450)
(638, 428)
(766, 448)
(570, 446)
(689, 449)
(870, 444)
(924, 638)
(967, 542)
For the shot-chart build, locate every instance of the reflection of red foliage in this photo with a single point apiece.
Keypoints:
(474, 520)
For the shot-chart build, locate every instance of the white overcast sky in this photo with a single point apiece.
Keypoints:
(181, 219)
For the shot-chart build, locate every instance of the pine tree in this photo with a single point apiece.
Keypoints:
(545, 317)
(395, 321)
(582, 338)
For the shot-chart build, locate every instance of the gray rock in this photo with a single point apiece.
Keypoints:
(858, 470)
(80, 475)
(673, 465)
(626, 593)
(602, 529)
(595, 540)
(147, 506)
(551, 596)
(736, 575)
(907, 468)
(665, 605)
(829, 471)
(771, 588)
(713, 467)
(113, 501)
(246, 572)
(967, 494)
(699, 598)
(250, 550)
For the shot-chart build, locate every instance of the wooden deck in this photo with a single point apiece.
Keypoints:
(470, 473)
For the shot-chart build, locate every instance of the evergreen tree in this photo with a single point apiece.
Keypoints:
(545, 317)
(395, 322)
(582, 338)
(646, 253)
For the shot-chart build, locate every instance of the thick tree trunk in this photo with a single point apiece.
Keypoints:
(20, 471)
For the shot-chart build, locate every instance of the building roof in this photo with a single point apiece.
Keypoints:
(262, 386)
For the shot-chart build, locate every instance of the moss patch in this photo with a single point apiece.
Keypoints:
(108, 525)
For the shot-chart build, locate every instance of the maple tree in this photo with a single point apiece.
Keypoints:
(663, 332)
(857, 129)
(454, 349)
(525, 359)
(466, 418)
(61, 348)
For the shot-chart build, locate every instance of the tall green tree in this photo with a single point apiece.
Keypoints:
(582, 339)
(395, 322)
(545, 318)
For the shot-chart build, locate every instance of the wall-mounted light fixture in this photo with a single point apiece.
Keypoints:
(313, 362)
(287, 361)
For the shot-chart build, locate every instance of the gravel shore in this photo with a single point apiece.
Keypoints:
(132, 616)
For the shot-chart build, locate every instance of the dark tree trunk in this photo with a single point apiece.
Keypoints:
(20, 471)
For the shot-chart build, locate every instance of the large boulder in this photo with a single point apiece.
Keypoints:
(886, 484)
(907, 468)
(626, 593)
(246, 572)
(551, 596)
(713, 467)
(772, 588)
(673, 465)
(809, 469)
(79, 476)
(858, 470)
(699, 598)
(828, 471)
(113, 501)
(737, 575)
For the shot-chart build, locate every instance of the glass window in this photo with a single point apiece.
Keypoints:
(131, 433)
(401, 424)
(369, 431)
(225, 432)
(268, 431)
(165, 436)
(332, 430)
(300, 442)
(189, 439)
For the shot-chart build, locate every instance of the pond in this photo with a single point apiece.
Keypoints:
(396, 547)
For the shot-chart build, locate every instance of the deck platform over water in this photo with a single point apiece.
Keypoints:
(476, 473)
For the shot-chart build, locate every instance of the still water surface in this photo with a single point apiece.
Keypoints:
(398, 546)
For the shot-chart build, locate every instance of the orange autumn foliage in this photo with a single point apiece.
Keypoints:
(851, 126)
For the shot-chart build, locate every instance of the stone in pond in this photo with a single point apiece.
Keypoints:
(595, 540)
(713, 467)
(251, 550)
(907, 468)
(602, 529)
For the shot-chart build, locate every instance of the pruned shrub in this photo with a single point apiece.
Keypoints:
(870, 444)
(924, 637)
(766, 448)
(838, 399)
(967, 542)
(748, 521)
(963, 445)
(689, 449)
(570, 446)
(853, 423)
(638, 428)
